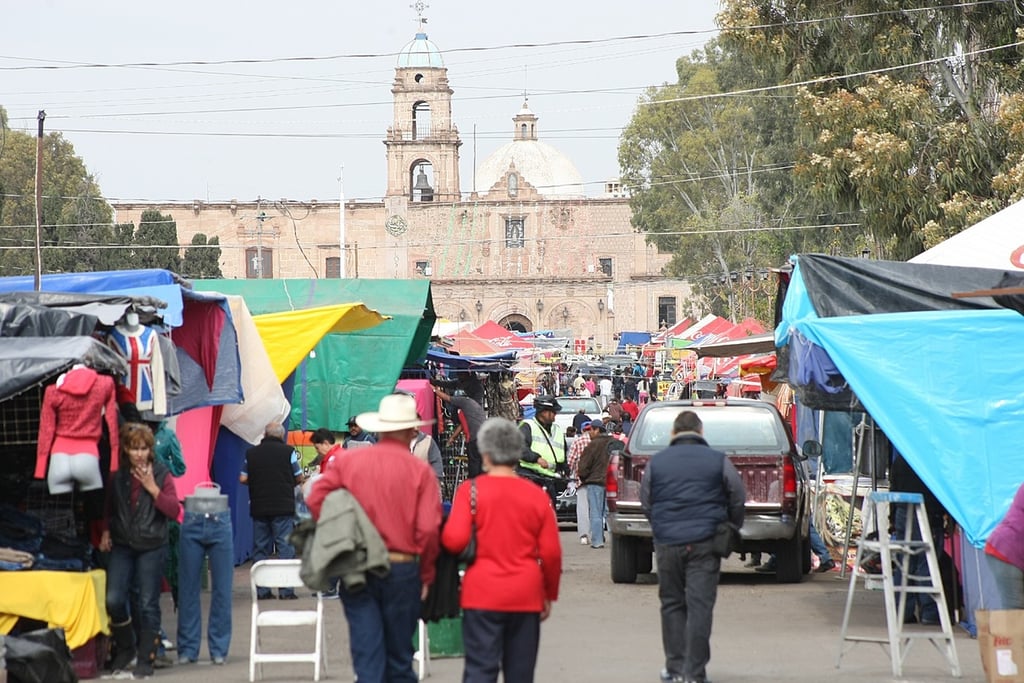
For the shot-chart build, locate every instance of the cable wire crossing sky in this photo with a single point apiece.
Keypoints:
(214, 103)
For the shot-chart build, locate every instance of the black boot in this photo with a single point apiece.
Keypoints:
(148, 646)
(124, 641)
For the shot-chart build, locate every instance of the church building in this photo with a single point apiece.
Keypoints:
(525, 246)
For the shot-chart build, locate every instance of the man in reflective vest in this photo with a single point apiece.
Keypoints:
(544, 451)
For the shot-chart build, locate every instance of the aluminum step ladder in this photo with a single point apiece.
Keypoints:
(875, 539)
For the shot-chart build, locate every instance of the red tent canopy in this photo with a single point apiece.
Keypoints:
(465, 343)
(505, 340)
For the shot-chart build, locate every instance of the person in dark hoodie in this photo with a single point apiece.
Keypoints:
(141, 501)
(593, 472)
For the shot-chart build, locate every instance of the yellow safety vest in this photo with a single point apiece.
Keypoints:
(551, 448)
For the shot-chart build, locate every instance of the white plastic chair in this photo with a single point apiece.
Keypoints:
(284, 574)
(422, 655)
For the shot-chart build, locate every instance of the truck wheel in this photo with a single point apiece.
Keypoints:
(644, 558)
(623, 559)
(789, 561)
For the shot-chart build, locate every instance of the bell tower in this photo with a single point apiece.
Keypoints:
(422, 144)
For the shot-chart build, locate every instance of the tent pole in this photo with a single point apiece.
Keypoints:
(857, 439)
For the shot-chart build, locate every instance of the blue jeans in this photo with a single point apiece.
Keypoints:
(382, 620)
(500, 640)
(205, 535)
(818, 546)
(1009, 582)
(268, 533)
(139, 572)
(687, 588)
(596, 508)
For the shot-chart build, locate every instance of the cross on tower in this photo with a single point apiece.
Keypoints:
(420, 6)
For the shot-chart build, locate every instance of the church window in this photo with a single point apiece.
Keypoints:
(513, 184)
(420, 120)
(255, 268)
(605, 264)
(515, 232)
(523, 128)
(332, 267)
(423, 269)
(667, 310)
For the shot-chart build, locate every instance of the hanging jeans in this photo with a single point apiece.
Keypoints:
(205, 535)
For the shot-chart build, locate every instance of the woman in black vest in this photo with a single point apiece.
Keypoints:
(141, 499)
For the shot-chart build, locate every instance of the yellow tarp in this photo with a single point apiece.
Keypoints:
(74, 601)
(289, 336)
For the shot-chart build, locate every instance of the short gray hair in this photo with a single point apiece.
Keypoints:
(501, 440)
(275, 430)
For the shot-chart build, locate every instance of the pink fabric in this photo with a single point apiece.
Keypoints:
(197, 430)
(425, 401)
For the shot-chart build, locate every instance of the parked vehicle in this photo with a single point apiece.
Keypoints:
(572, 404)
(757, 441)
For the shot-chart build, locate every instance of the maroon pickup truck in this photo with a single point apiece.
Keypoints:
(757, 441)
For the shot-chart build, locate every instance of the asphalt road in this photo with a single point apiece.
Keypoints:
(600, 631)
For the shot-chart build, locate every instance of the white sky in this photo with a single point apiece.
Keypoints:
(161, 133)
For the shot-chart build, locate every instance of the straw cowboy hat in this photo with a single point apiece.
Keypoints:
(397, 412)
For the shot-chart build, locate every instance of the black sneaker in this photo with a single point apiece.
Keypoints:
(826, 566)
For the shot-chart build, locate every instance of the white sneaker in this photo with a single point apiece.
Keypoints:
(584, 541)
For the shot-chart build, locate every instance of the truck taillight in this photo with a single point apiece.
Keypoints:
(611, 481)
(788, 484)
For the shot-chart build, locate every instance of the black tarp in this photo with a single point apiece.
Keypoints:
(28, 361)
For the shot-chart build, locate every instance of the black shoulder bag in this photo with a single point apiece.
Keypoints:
(468, 554)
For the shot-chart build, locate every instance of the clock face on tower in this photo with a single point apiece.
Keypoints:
(396, 225)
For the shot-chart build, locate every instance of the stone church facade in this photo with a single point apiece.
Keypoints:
(528, 249)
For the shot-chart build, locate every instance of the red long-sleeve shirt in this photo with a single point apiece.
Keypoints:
(518, 554)
(398, 492)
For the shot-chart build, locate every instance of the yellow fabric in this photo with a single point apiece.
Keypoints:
(73, 601)
(289, 336)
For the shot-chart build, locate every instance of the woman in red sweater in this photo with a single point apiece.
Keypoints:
(509, 589)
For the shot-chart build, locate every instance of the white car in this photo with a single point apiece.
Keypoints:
(572, 404)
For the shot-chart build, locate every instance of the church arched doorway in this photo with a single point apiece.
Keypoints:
(516, 323)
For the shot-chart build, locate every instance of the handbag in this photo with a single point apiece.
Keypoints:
(468, 554)
(725, 540)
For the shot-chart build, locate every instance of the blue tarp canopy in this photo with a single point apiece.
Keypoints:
(632, 339)
(942, 376)
(497, 361)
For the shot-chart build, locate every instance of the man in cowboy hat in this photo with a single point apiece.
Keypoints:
(400, 495)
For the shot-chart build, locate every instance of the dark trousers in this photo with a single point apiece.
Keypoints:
(475, 461)
(135, 572)
(382, 620)
(687, 587)
(269, 533)
(500, 640)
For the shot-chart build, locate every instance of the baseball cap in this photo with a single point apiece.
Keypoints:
(597, 424)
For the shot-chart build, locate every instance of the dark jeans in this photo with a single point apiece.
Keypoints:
(500, 640)
(205, 535)
(687, 587)
(382, 620)
(139, 572)
(268, 533)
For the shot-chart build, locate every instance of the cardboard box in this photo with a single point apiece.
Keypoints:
(1001, 642)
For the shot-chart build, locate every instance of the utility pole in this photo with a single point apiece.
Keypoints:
(260, 217)
(39, 202)
(341, 226)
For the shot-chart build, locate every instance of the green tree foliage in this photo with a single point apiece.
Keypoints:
(156, 242)
(915, 151)
(75, 215)
(709, 181)
(202, 259)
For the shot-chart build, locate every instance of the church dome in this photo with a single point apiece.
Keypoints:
(420, 53)
(541, 165)
(545, 168)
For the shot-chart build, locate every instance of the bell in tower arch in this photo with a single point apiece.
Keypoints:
(422, 187)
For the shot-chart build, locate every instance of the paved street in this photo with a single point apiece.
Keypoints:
(600, 631)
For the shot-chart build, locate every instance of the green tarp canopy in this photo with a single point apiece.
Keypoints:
(346, 373)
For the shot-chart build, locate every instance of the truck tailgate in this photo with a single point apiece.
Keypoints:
(762, 478)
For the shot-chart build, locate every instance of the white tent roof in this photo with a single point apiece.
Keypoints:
(996, 242)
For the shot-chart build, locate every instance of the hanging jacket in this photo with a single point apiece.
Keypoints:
(345, 544)
(72, 417)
